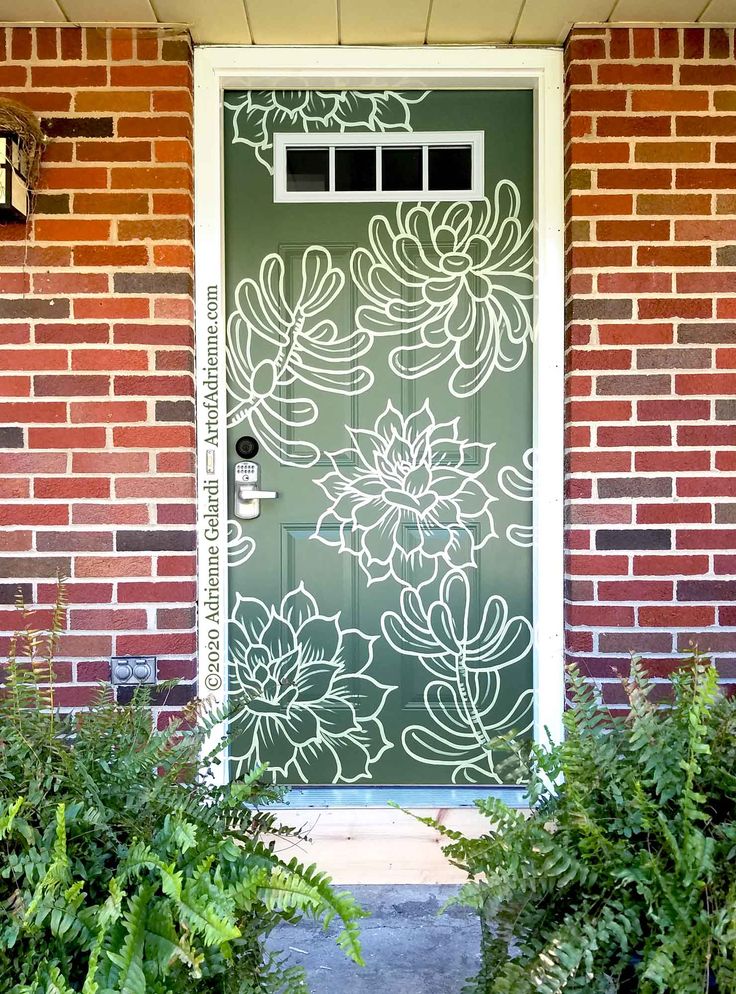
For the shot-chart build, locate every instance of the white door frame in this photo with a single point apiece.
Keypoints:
(218, 68)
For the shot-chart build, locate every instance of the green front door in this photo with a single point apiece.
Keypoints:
(379, 353)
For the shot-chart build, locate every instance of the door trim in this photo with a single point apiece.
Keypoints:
(217, 68)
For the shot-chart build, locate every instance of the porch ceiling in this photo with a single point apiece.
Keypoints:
(369, 22)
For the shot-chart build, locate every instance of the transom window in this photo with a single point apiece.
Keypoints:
(321, 167)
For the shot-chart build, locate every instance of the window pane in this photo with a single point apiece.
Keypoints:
(307, 170)
(450, 168)
(402, 168)
(355, 169)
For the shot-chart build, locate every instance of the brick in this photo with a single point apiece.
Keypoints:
(112, 100)
(148, 178)
(111, 203)
(635, 436)
(705, 383)
(630, 384)
(625, 126)
(108, 412)
(33, 514)
(670, 100)
(110, 514)
(673, 565)
(156, 592)
(78, 127)
(634, 486)
(713, 486)
(673, 203)
(673, 255)
(663, 616)
(705, 179)
(673, 410)
(707, 74)
(73, 541)
(635, 179)
(645, 74)
(635, 590)
(179, 540)
(633, 539)
(110, 255)
(674, 307)
(64, 438)
(633, 231)
(672, 151)
(672, 358)
(11, 437)
(672, 461)
(699, 435)
(113, 566)
(60, 385)
(33, 412)
(600, 615)
(34, 566)
(118, 151)
(723, 538)
(673, 513)
(111, 359)
(68, 77)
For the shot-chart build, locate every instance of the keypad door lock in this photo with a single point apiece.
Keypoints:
(248, 495)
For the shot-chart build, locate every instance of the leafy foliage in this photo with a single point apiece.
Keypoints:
(623, 876)
(125, 868)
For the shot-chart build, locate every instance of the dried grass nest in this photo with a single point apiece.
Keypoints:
(19, 120)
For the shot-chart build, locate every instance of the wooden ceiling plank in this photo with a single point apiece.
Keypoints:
(383, 22)
(649, 11)
(473, 21)
(548, 22)
(293, 22)
(12, 12)
(218, 22)
(719, 12)
(109, 11)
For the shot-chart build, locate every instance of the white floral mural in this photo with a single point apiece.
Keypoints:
(300, 691)
(258, 114)
(240, 547)
(455, 281)
(466, 665)
(277, 339)
(518, 484)
(411, 490)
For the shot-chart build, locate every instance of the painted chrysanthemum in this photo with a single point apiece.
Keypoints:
(455, 281)
(406, 496)
(300, 693)
(258, 114)
(466, 707)
(279, 336)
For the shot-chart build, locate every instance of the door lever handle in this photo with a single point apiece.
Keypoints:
(245, 493)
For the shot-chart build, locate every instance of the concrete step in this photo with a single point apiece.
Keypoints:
(408, 947)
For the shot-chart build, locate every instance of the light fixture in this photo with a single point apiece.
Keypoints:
(21, 144)
(13, 178)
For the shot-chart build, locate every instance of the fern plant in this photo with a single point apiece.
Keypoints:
(125, 868)
(623, 875)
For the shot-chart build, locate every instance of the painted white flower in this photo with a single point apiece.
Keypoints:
(276, 338)
(456, 282)
(240, 547)
(406, 496)
(301, 697)
(259, 114)
(467, 701)
(519, 485)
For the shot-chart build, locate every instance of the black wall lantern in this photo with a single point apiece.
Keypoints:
(13, 179)
(21, 145)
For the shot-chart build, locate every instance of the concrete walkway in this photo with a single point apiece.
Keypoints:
(407, 947)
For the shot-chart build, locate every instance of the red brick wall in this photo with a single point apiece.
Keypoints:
(651, 346)
(96, 335)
